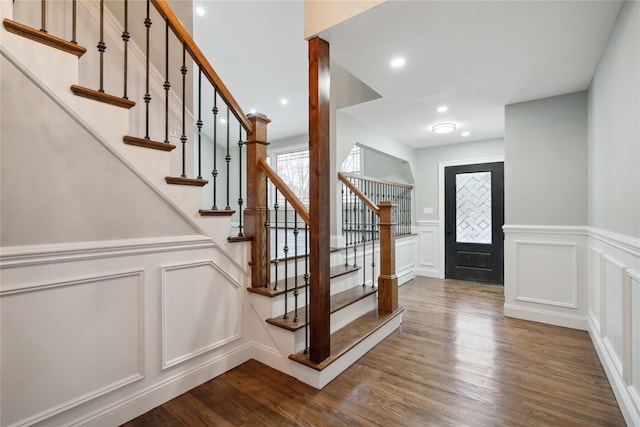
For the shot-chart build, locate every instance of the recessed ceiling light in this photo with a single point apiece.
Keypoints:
(253, 111)
(465, 133)
(223, 121)
(442, 108)
(200, 11)
(397, 62)
(443, 127)
(284, 101)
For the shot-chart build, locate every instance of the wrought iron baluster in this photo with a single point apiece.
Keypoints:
(354, 218)
(240, 201)
(166, 85)
(183, 137)
(199, 123)
(227, 158)
(43, 16)
(74, 20)
(295, 265)
(286, 258)
(345, 222)
(373, 249)
(147, 95)
(306, 289)
(125, 41)
(101, 46)
(267, 229)
(214, 172)
(276, 260)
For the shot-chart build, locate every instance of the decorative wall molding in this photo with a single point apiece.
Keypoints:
(429, 248)
(114, 384)
(564, 230)
(226, 312)
(572, 270)
(23, 256)
(613, 327)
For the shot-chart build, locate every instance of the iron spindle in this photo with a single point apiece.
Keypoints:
(199, 123)
(286, 258)
(276, 261)
(363, 237)
(354, 225)
(147, 95)
(373, 250)
(227, 158)
(166, 85)
(306, 288)
(125, 40)
(101, 46)
(345, 213)
(240, 201)
(214, 172)
(183, 137)
(295, 265)
(267, 228)
(74, 21)
(43, 15)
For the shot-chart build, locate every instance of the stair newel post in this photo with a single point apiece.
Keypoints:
(256, 213)
(387, 281)
(320, 200)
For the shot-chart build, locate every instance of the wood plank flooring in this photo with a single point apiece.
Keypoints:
(455, 361)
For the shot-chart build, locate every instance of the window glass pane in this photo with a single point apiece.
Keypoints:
(293, 168)
(352, 163)
(473, 207)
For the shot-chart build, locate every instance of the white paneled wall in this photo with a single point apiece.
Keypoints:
(116, 328)
(429, 258)
(614, 314)
(546, 274)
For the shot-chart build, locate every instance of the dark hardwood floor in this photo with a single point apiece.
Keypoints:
(455, 361)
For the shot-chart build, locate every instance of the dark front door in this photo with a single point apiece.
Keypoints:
(474, 216)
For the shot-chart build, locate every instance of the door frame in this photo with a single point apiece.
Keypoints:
(441, 219)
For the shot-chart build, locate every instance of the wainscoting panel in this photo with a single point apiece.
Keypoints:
(555, 265)
(429, 250)
(615, 327)
(68, 342)
(545, 274)
(405, 259)
(202, 310)
(614, 276)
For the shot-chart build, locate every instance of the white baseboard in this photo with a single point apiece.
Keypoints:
(544, 316)
(159, 393)
(629, 404)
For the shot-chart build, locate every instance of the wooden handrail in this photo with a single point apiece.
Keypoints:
(284, 189)
(198, 57)
(345, 180)
(371, 179)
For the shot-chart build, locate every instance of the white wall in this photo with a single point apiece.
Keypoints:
(546, 210)
(320, 15)
(614, 211)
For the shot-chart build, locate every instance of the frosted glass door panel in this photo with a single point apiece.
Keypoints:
(473, 207)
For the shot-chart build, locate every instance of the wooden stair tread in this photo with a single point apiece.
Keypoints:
(348, 337)
(44, 38)
(216, 212)
(338, 301)
(148, 143)
(96, 95)
(235, 239)
(335, 271)
(177, 180)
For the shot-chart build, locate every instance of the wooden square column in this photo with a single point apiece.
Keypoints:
(387, 281)
(256, 213)
(319, 201)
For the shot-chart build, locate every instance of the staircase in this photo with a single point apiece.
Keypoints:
(279, 311)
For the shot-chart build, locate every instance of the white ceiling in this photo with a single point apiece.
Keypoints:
(473, 56)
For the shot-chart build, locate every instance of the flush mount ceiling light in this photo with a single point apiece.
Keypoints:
(443, 128)
(442, 108)
(465, 133)
(397, 62)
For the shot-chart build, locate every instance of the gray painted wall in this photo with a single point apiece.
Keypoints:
(60, 185)
(546, 161)
(427, 181)
(614, 130)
